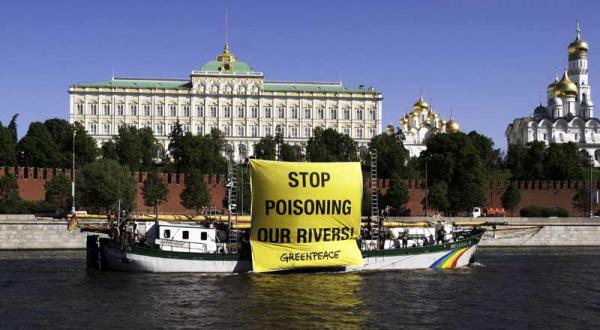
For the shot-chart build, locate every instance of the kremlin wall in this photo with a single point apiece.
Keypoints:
(533, 193)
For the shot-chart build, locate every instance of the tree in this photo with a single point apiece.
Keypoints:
(10, 200)
(265, 149)
(12, 127)
(330, 146)
(195, 194)
(149, 148)
(437, 197)
(86, 150)
(203, 153)
(176, 146)
(536, 161)
(58, 192)
(452, 158)
(109, 150)
(491, 158)
(103, 183)
(392, 157)
(290, 153)
(397, 196)
(8, 155)
(155, 191)
(37, 148)
(511, 198)
(581, 200)
(136, 148)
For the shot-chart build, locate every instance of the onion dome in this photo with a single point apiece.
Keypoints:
(552, 85)
(452, 126)
(565, 87)
(421, 104)
(578, 48)
(555, 101)
(431, 115)
(389, 129)
(540, 109)
(415, 113)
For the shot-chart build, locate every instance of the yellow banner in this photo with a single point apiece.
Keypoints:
(305, 214)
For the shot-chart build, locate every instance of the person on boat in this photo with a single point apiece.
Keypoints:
(430, 240)
(440, 234)
(405, 239)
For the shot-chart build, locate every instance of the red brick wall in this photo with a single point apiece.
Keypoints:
(533, 193)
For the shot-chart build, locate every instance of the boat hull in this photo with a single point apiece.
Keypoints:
(450, 255)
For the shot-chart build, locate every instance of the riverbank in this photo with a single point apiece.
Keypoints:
(27, 232)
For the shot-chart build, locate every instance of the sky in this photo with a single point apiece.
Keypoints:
(485, 62)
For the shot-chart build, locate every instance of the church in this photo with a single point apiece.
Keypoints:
(568, 115)
(421, 123)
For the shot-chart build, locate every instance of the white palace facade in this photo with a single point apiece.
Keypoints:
(569, 113)
(227, 94)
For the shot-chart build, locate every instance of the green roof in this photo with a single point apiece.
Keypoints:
(139, 83)
(235, 66)
(269, 86)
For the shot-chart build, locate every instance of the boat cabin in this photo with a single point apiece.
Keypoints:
(186, 237)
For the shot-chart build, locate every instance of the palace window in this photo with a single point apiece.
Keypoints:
(306, 113)
(294, 132)
(254, 130)
(294, 113)
(307, 131)
(160, 110)
(241, 111)
(332, 114)
(254, 111)
(120, 109)
(359, 114)
(173, 109)
(186, 110)
(227, 130)
(347, 131)
(240, 131)
(371, 132)
(93, 129)
(133, 109)
(185, 128)
(146, 110)
(106, 129)
(359, 133)
(280, 112)
(200, 110)
(279, 130)
(106, 107)
(119, 127)
(268, 131)
(213, 111)
(171, 128)
(93, 109)
(346, 114)
(321, 113)
(372, 114)
(79, 107)
(268, 112)
(227, 111)
(200, 130)
(159, 130)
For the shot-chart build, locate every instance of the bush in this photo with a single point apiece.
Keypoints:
(543, 212)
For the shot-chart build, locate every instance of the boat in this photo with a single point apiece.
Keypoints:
(311, 223)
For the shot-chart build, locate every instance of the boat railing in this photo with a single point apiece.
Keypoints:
(176, 245)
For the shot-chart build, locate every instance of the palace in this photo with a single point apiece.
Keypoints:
(231, 96)
(569, 113)
(420, 124)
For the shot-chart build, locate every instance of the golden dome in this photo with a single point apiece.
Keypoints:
(415, 113)
(389, 129)
(452, 126)
(578, 46)
(421, 104)
(552, 85)
(226, 55)
(431, 115)
(565, 86)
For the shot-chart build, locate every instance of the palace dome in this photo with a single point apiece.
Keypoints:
(226, 62)
(421, 104)
(578, 46)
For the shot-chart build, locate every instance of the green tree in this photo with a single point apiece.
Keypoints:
(135, 148)
(103, 183)
(563, 161)
(195, 194)
(397, 196)
(12, 127)
(176, 147)
(149, 148)
(203, 153)
(86, 150)
(330, 146)
(155, 191)
(265, 149)
(109, 150)
(58, 192)
(10, 200)
(392, 157)
(453, 159)
(437, 197)
(290, 153)
(491, 158)
(581, 200)
(8, 156)
(37, 148)
(511, 198)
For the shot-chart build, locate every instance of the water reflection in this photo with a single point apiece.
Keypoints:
(324, 300)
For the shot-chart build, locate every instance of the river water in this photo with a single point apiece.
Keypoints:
(507, 288)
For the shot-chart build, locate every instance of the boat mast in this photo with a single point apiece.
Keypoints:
(232, 202)
(374, 197)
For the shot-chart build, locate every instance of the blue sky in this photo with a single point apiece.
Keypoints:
(487, 61)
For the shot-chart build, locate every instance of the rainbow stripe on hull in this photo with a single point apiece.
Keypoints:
(449, 260)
